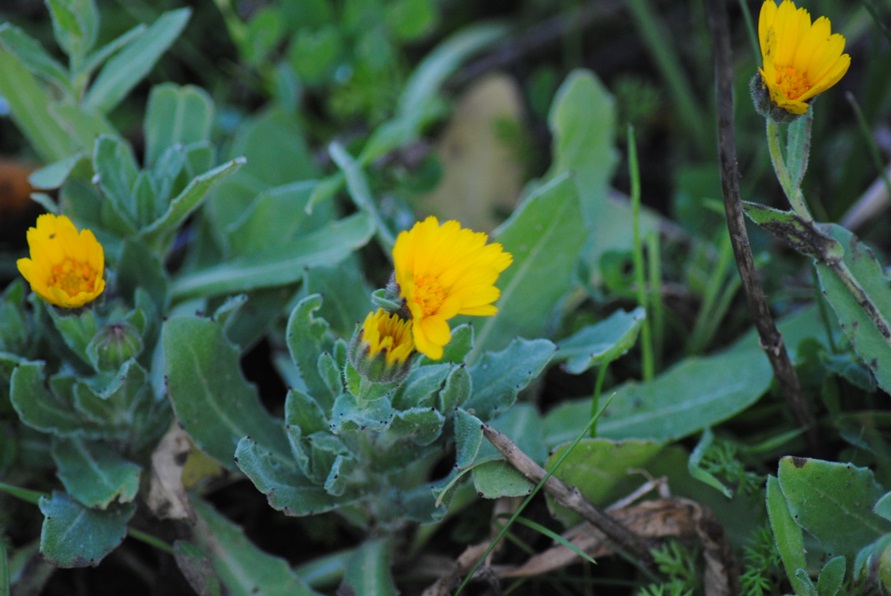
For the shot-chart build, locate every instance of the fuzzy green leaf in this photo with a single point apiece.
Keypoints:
(279, 478)
(544, 235)
(788, 534)
(281, 266)
(243, 568)
(368, 571)
(498, 377)
(833, 502)
(602, 342)
(175, 115)
(129, 66)
(868, 341)
(212, 400)
(94, 473)
(694, 394)
(74, 536)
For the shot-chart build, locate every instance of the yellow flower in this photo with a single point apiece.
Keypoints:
(387, 333)
(381, 349)
(443, 271)
(800, 59)
(66, 267)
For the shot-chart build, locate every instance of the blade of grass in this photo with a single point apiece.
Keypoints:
(657, 308)
(556, 538)
(870, 142)
(646, 337)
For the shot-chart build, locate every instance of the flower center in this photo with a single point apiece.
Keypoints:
(429, 294)
(793, 83)
(73, 277)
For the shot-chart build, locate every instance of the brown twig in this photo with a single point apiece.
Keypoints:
(771, 339)
(623, 539)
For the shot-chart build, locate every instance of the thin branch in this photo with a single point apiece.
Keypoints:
(616, 533)
(771, 339)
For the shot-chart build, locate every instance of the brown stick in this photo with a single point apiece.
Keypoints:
(614, 532)
(771, 339)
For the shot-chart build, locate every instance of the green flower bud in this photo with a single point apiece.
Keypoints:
(382, 349)
(113, 345)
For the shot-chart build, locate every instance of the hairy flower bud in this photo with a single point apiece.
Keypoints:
(381, 349)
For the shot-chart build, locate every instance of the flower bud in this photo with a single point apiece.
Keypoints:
(113, 345)
(382, 348)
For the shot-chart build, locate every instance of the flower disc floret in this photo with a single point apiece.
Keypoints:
(800, 59)
(443, 271)
(66, 267)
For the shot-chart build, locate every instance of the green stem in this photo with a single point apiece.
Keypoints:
(150, 540)
(654, 270)
(595, 401)
(29, 496)
(4, 571)
(646, 339)
(793, 192)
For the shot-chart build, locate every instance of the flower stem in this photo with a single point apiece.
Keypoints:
(793, 191)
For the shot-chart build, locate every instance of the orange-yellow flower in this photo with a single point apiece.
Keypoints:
(443, 271)
(388, 333)
(66, 266)
(381, 349)
(800, 59)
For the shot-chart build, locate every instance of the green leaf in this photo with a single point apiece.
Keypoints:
(831, 577)
(582, 121)
(31, 54)
(801, 235)
(281, 266)
(188, 200)
(94, 473)
(176, 115)
(602, 342)
(544, 235)
(74, 536)
(457, 390)
(212, 400)
(787, 534)
(429, 76)
(307, 337)
(422, 426)
(42, 409)
(421, 386)
(498, 377)
(866, 339)
(276, 217)
(75, 24)
(798, 148)
(243, 569)
(279, 478)
(54, 175)
(368, 570)
(116, 168)
(129, 66)
(345, 291)
(833, 502)
(601, 470)
(277, 154)
(693, 395)
(29, 105)
(197, 568)
(497, 479)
